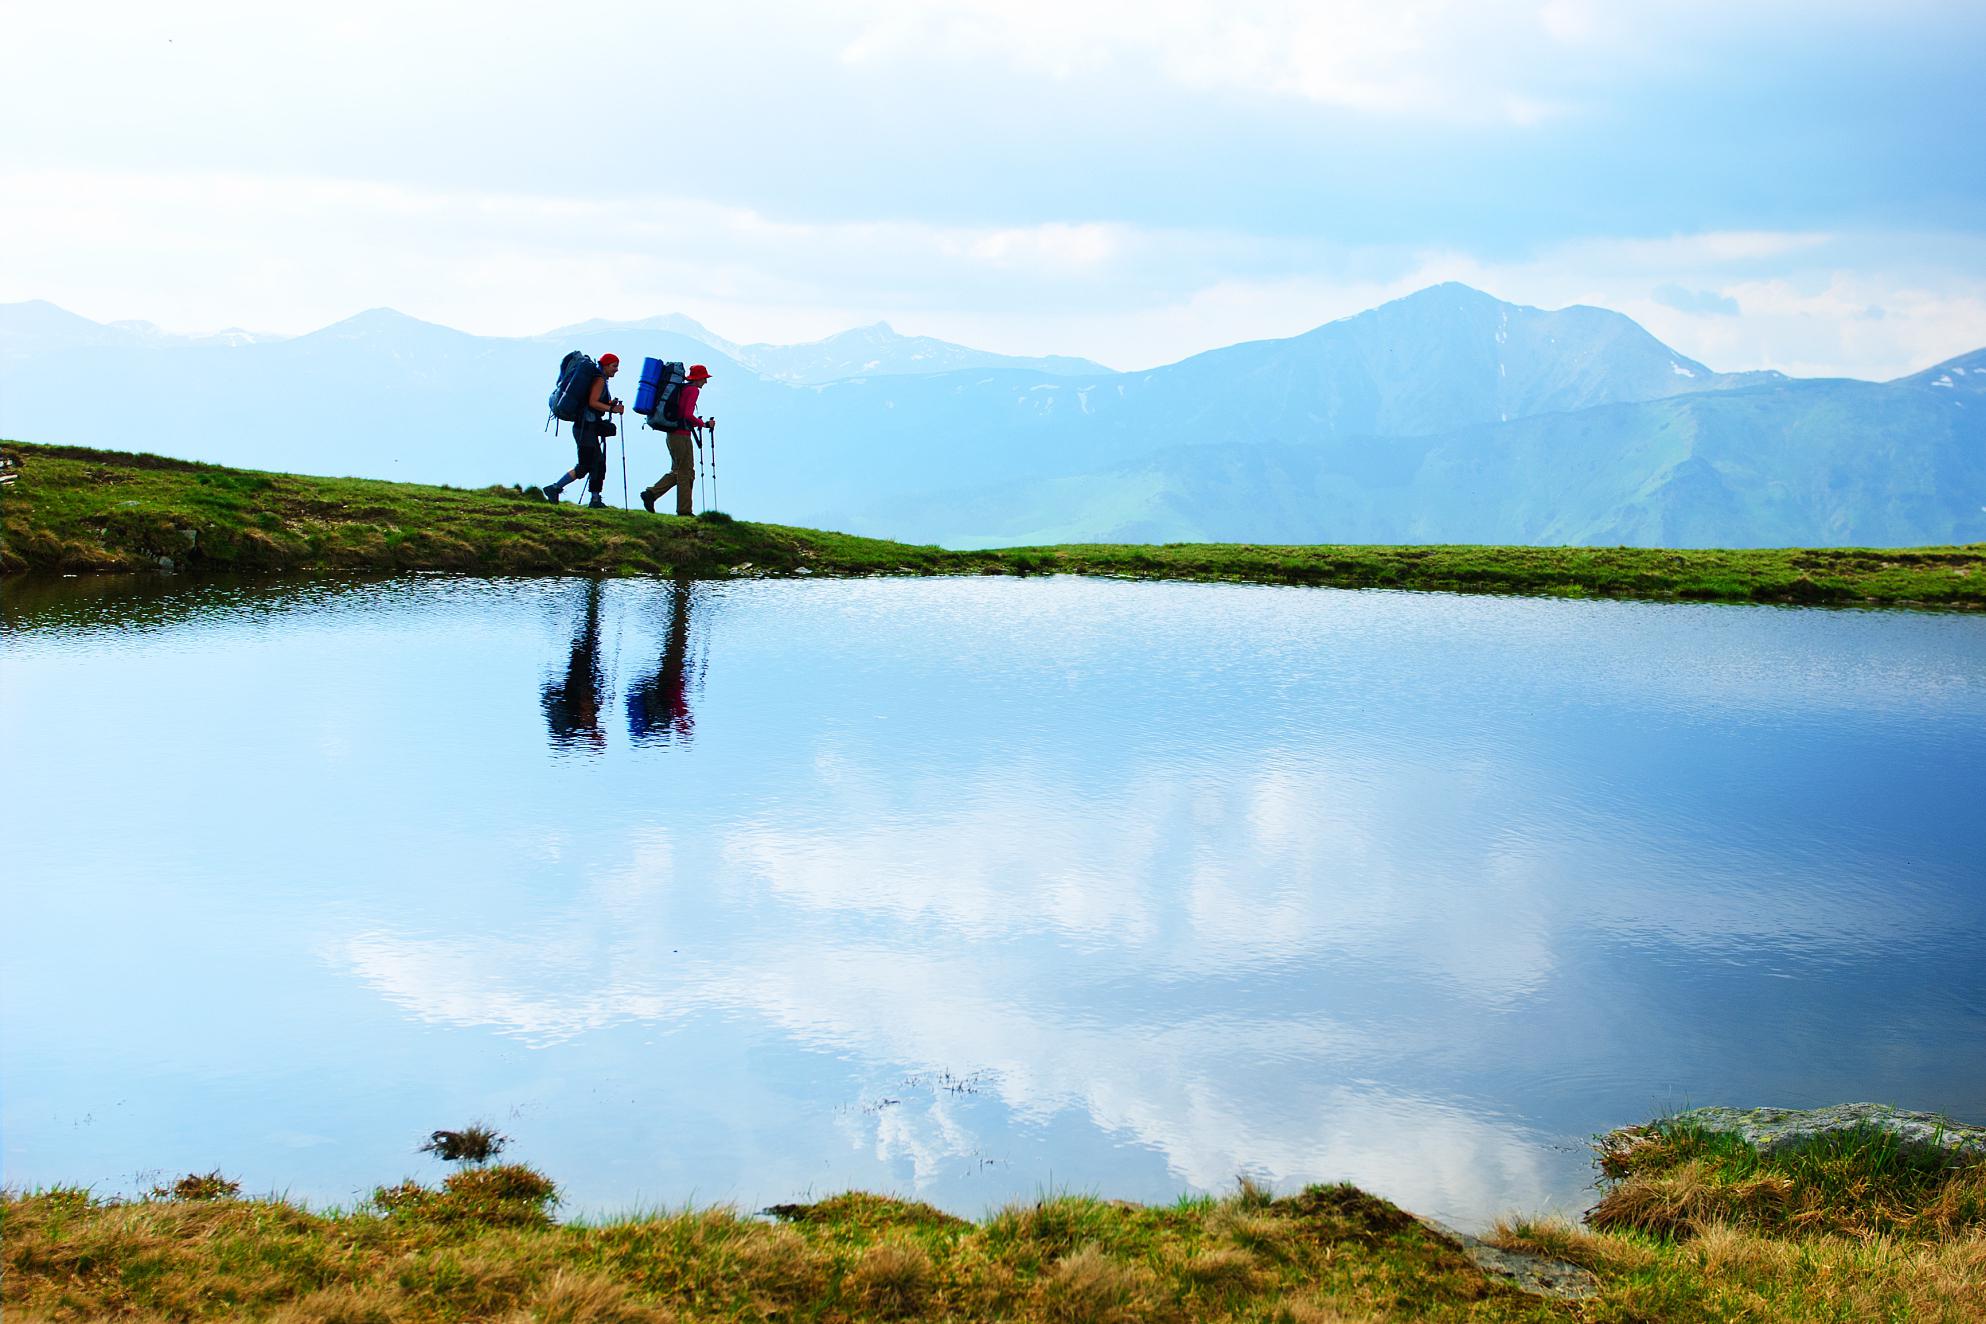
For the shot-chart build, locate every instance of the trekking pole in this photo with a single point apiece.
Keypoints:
(702, 486)
(713, 463)
(624, 464)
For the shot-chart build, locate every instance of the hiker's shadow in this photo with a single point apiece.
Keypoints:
(659, 711)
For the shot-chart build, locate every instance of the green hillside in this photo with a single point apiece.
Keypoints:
(1779, 464)
(76, 510)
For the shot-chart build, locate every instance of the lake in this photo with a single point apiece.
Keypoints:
(967, 890)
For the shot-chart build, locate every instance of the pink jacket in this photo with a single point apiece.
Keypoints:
(686, 405)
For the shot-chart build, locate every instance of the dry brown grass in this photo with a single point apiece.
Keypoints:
(1689, 1197)
(894, 1279)
(1219, 1271)
(1090, 1287)
(1706, 1227)
(1679, 1180)
(463, 1253)
(344, 1304)
(571, 1297)
(779, 1268)
(1329, 1255)
(1302, 1311)
(1566, 1241)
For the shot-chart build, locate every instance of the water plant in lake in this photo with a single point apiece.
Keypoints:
(475, 1143)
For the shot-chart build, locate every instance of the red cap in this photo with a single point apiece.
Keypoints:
(699, 373)
(610, 360)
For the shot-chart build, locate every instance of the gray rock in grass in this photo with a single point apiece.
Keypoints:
(1780, 1128)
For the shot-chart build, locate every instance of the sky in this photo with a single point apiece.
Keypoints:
(1763, 184)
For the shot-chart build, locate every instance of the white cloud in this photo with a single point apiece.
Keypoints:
(1414, 58)
(1874, 306)
(826, 148)
(1711, 249)
(1518, 62)
(289, 254)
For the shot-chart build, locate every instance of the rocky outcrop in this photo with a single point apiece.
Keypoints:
(1540, 1275)
(1780, 1128)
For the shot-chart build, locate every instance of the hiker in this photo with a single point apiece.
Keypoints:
(682, 460)
(590, 433)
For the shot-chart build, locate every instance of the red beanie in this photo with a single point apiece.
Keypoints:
(610, 360)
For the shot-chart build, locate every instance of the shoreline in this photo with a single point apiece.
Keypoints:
(76, 511)
(1858, 1211)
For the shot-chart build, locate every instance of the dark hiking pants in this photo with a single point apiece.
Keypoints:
(592, 464)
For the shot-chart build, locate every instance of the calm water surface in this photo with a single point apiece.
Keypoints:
(968, 889)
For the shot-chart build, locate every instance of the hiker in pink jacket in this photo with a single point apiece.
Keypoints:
(682, 460)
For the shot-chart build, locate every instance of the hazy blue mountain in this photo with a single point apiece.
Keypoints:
(39, 327)
(1789, 463)
(1962, 376)
(865, 351)
(1446, 415)
(603, 330)
(1442, 358)
(872, 351)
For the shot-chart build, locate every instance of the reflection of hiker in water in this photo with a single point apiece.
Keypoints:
(659, 704)
(572, 705)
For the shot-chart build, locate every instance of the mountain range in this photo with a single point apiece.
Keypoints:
(1444, 416)
(865, 351)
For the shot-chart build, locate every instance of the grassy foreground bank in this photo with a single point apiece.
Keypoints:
(1694, 1226)
(76, 511)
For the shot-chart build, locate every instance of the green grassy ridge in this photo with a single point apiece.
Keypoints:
(1693, 1227)
(78, 510)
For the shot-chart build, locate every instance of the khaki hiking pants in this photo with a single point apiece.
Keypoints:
(681, 475)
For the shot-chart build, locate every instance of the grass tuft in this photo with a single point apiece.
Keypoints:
(199, 1186)
(1220, 1273)
(507, 1195)
(1090, 1287)
(344, 1304)
(578, 1297)
(893, 1279)
(1676, 1178)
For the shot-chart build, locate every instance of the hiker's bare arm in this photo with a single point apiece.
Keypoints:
(600, 400)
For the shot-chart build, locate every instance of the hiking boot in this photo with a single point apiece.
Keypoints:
(551, 493)
(648, 499)
(596, 503)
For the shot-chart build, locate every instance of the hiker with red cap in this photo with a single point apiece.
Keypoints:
(682, 460)
(590, 434)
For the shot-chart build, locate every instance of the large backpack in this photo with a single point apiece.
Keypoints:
(568, 398)
(660, 393)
